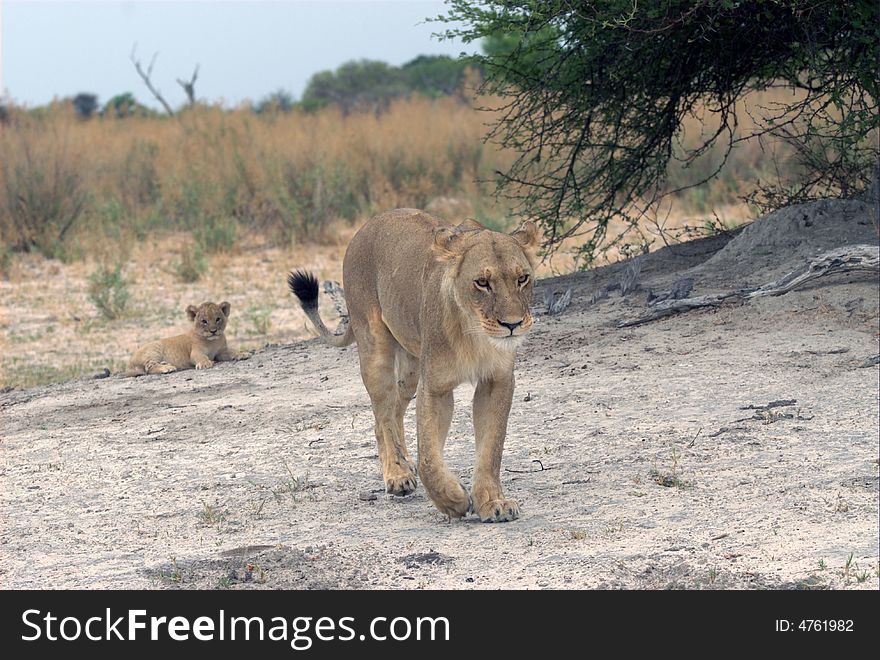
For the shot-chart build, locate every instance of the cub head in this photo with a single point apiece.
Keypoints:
(208, 319)
(492, 276)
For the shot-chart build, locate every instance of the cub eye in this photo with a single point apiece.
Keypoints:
(218, 320)
(482, 283)
(523, 280)
(204, 322)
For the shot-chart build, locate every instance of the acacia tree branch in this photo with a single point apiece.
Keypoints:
(190, 87)
(145, 76)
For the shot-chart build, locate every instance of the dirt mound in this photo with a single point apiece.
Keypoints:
(783, 240)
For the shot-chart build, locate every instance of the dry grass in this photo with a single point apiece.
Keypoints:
(220, 204)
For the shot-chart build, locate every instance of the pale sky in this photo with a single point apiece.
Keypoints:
(245, 49)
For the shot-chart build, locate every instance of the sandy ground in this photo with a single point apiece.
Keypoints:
(641, 457)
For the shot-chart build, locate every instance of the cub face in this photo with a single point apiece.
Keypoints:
(494, 278)
(209, 319)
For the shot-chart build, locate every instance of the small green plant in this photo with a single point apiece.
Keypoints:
(108, 290)
(668, 479)
(175, 575)
(217, 234)
(209, 515)
(713, 575)
(192, 265)
(260, 316)
(822, 565)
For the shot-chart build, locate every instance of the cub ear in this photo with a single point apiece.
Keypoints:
(191, 312)
(225, 307)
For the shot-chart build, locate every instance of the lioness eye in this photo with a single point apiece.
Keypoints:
(482, 282)
(522, 280)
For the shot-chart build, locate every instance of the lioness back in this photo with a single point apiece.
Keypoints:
(384, 266)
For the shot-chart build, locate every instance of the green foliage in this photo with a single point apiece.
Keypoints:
(216, 234)
(108, 290)
(192, 265)
(370, 85)
(594, 95)
(278, 101)
(126, 105)
(44, 195)
(85, 105)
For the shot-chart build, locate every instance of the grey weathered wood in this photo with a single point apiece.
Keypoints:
(847, 259)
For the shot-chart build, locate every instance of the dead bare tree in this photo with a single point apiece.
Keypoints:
(190, 87)
(145, 76)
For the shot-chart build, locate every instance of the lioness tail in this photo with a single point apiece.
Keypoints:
(305, 287)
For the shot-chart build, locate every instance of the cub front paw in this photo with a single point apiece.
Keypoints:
(204, 364)
(503, 510)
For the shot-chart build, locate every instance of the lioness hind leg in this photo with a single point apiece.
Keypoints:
(377, 353)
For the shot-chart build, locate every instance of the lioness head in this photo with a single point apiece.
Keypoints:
(208, 319)
(491, 275)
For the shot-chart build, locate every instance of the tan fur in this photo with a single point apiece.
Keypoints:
(426, 300)
(204, 344)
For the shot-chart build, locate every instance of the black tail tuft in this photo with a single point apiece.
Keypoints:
(305, 287)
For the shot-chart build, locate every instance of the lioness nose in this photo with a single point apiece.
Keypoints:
(510, 326)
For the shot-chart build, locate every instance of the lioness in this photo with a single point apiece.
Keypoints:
(198, 348)
(432, 305)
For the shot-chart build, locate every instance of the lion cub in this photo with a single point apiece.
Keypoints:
(198, 348)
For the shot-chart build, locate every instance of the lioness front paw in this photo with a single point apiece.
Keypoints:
(204, 364)
(402, 485)
(453, 501)
(503, 510)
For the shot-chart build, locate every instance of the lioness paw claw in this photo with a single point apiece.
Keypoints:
(205, 364)
(498, 510)
(400, 486)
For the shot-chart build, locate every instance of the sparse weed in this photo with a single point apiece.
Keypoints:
(260, 316)
(209, 515)
(108, 290)
(192, 265)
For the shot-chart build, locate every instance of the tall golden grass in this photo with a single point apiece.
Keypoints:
(286, 177)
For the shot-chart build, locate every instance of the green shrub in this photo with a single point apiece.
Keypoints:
(108, 290)
(217, 234)
(192, 265)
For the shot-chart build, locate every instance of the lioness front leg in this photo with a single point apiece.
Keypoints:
(491, 408)
(433, 416)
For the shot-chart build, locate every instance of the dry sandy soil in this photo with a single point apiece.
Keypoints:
(642, 458)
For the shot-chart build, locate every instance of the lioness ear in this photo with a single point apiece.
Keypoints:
(445, 243)
(528, 235)
(191, 312)
(225, 307)
(470, 224)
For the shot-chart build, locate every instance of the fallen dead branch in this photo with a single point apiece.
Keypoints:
(848, 259)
